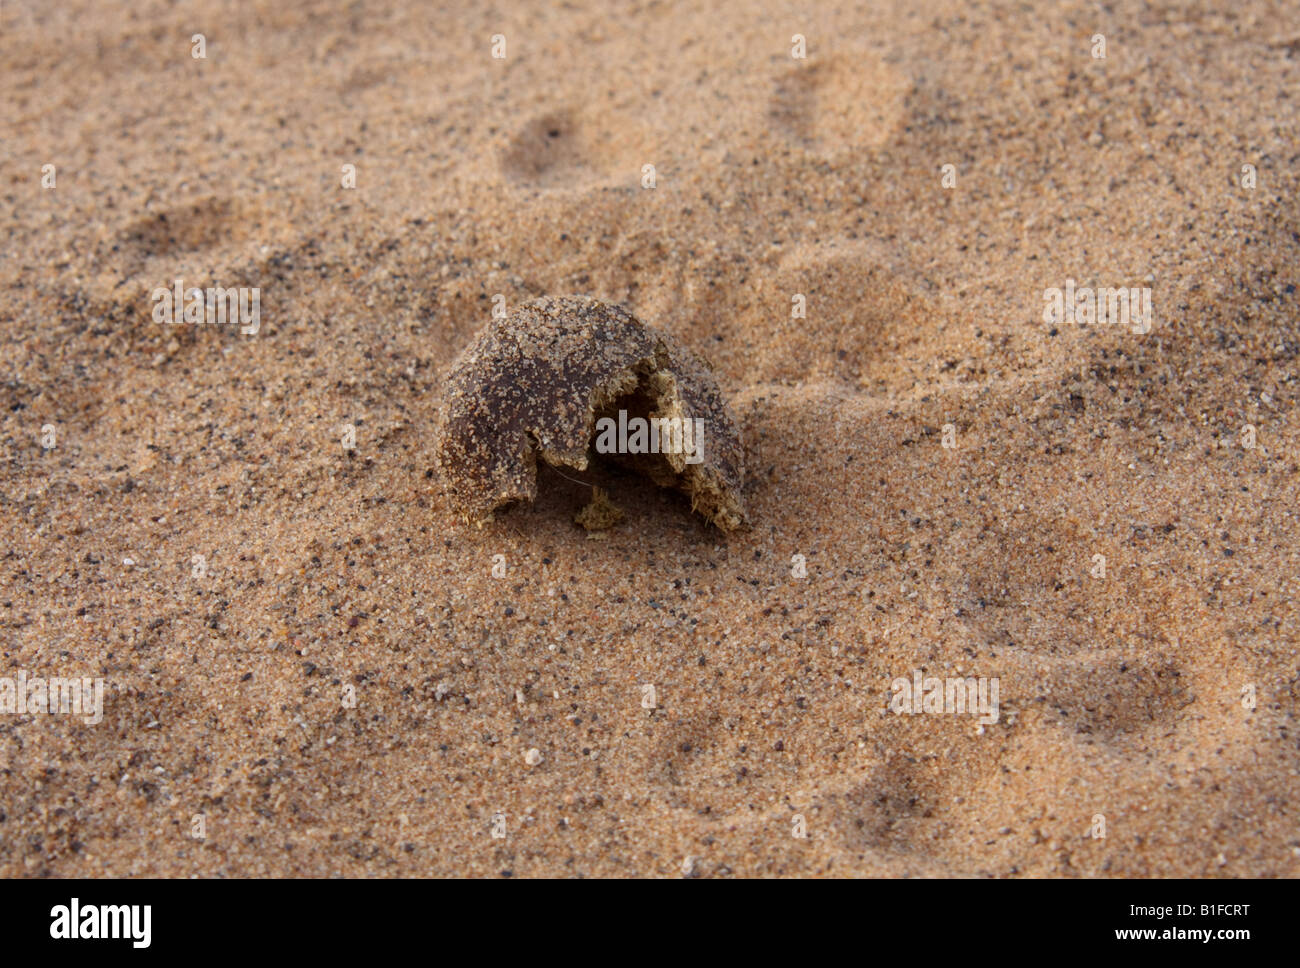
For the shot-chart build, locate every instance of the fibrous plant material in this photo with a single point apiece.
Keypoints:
(538, 382)
(601, 514)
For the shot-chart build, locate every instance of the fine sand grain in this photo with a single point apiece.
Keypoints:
(312, 661)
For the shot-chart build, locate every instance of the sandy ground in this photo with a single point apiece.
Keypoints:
(306, 655)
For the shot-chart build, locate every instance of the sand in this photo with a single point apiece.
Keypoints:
(311, 666)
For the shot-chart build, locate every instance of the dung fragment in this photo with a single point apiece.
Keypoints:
(563, 376)
(601, 514)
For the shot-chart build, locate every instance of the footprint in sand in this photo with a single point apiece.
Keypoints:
(564, 149)
(864, 322)
(207, 241)
(839, 102)
(216, 228)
